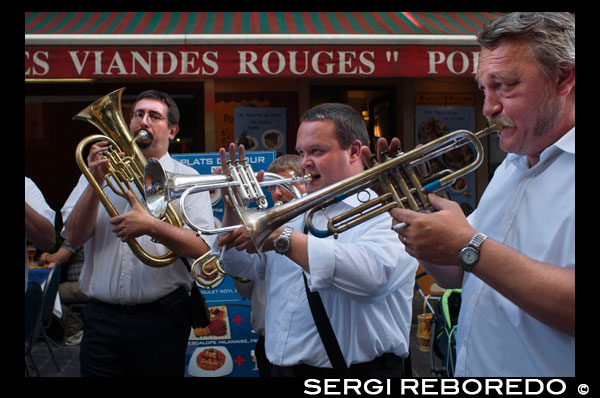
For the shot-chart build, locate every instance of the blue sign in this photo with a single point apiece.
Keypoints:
(226, 347)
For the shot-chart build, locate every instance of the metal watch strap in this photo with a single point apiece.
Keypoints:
(469, 255)
(287, 231)
(477, 240)
(286, 234)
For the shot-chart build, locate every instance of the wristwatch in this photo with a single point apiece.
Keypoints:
(284, 241)
(469, 255)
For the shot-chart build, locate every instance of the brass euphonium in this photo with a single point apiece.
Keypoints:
(125, 171)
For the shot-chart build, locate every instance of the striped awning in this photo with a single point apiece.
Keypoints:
(234, 44)
(56, 28)
(442, 23)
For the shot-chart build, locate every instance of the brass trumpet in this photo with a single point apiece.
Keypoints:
(161, 187)
(127, 171)
(395, 175)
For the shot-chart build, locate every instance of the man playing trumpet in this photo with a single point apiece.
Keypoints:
(365, 278)
(514, 257)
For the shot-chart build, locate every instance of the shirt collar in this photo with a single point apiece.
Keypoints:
(566, 143)
(166, 161)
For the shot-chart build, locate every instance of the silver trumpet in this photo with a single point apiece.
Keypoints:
(161, 187)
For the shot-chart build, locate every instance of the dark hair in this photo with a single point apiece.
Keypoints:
(551, 37)
(349, 125)
(172, 109)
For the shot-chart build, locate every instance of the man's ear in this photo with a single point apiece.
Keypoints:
(355, 151)
(566, 79)
(173, 132)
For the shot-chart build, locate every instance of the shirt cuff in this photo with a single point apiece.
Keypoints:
(321, 261)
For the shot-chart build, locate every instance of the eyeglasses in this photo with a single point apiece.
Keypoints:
(153, 117)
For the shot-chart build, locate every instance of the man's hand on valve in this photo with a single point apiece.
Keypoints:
(239, 237)
(136, 222)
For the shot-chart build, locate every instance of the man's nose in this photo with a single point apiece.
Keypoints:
(145, 120)
(491, 106)
(277, 194)
(305, 163)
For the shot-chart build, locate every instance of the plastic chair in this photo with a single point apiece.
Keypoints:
(50, 291)
(33, 322)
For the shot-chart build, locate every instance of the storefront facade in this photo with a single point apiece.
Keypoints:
(248, 77)
(394, 67)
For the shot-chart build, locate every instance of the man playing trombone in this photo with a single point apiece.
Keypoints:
(364, 277)
(514, 257)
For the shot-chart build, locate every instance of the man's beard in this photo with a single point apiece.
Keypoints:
(547, 115)
(143, 138)
(548, 112)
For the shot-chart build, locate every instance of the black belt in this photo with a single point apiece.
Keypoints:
(385, 361)
(167, 302)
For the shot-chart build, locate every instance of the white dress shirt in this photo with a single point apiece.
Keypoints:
(111, 272)
(254, 290)
(365, 279)
(35, 199)
(531, 210)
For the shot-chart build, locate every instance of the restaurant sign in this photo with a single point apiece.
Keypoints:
(181, 62)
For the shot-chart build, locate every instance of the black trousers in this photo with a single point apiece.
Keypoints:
(386, 365)
(140, 340)
(264, 366)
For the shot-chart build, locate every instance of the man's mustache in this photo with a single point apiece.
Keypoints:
(143, 138)
(503, 121)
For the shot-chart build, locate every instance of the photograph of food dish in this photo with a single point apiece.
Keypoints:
(272, 139)
(214, 361)
(249, 142)
(218, 329)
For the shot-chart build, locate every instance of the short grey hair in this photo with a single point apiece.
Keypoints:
(551, 37)
(349, 124)
(286, 162)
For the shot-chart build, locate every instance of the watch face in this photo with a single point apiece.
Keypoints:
(469, 255)
(281, 245)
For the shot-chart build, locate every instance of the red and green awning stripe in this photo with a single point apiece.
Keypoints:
(385, 23)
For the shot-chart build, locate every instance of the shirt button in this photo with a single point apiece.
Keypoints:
(284, 328)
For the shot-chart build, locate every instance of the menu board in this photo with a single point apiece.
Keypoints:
(226, 347)
(260, 128)
(437, 115)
